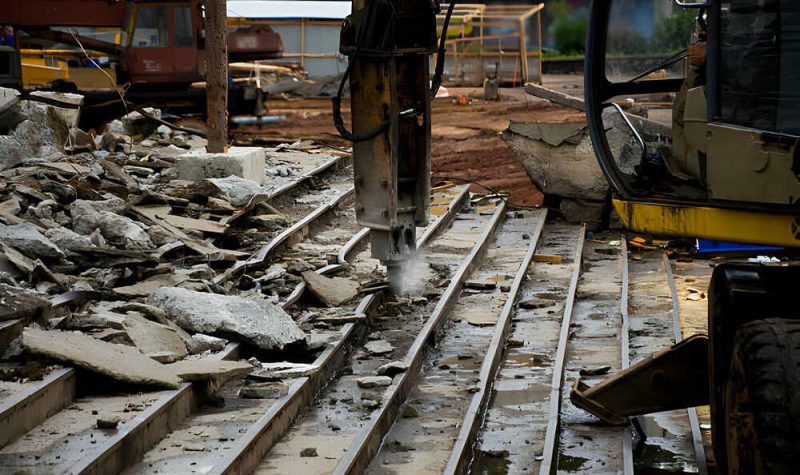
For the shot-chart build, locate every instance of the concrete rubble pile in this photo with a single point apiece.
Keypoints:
(560, 159)
(114, 247)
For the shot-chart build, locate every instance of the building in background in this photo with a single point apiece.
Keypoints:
(309, 29)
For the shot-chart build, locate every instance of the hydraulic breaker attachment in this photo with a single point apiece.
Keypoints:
(389, 44)
(671, 379)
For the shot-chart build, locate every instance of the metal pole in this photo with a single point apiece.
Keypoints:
(217, 75)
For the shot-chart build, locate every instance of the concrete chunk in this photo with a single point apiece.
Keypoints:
(67, 239)
(236, 191)
(374, 381)
(20, 303)
(28, 240)
(120, 362)
(88, 216)
(253, 321)
(379, 347)
(151, 337)
(243, 162)
(198, 370)
(332, 291)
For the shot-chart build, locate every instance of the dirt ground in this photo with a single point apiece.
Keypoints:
(466, 140)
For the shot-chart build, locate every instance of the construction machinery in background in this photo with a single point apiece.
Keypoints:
(732, 173)
(153, 51)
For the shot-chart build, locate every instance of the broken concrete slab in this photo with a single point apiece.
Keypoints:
(242, 162)
(282, 370)
(120, 362)
(67, 239)
(478, 317)
(268, 390)
(481, 284)
(202, 343)
(151, 337)
(148, 286)
(555, 96)
(204, 225)
(20, 303)
(255, 321)
(392, 368)
(88, 216)
(379, 347)
(367, 382)
(69, 117)
(200, 370)
(333, 291)
(28, 240)
(235, 190)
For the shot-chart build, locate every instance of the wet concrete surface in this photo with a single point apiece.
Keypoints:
(585, 443)
(339, 413)
(422, 443)
(668, 447)
(70, 435)
(512, 438)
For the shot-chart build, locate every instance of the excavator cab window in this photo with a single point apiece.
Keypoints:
(152, 28)
(184, 34)
(759, 52)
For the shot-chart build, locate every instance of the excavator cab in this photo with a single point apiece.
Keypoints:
(164, 43)
(731, 171)
(728, 169)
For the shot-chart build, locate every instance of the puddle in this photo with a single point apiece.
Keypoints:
(652, 459)
(527, 360)
(487, 463)
(568, 463)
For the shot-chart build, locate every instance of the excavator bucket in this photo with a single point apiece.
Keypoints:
(671, 379)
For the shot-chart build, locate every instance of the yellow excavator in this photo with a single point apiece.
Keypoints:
(731, 173)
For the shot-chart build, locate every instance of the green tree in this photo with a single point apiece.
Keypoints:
(674, 32)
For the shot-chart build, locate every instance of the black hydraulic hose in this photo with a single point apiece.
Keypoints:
(336, 101)
(436, 82)
(437, 76)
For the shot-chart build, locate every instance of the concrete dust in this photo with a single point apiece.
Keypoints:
(412, 276)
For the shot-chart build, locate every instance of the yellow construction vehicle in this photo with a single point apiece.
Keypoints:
(731, 173)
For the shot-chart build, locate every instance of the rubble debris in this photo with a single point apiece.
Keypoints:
(20, 303)
(89, 216)
(309, 452)
(120, 362)
(107, 422)
(268, 390)
(333, 291)
(67, 240)
(282, 370)
(379, 347)
(255, 321)
(28, 240)
(367, 382)
(202, 343)
(392, 368)
(480, 284)
(243, 162)
(148, 286)
(236, 191)
(203, 369)
(154, 338)
(33, 129)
